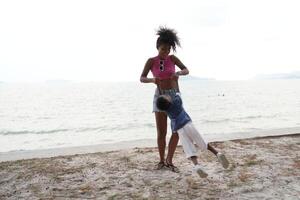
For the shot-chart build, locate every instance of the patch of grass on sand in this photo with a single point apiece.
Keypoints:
(112, 197)
(232, 166)
(244, 176)
(242, 142)
(251, 160)
(218, 145)
(85, 189)
(125, 159)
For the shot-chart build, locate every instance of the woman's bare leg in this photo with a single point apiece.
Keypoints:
(161, 127)
(172, 147)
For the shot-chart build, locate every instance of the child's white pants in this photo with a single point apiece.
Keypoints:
(189, 136)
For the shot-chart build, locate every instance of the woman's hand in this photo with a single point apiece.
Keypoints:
(174, 77)
(156, 81)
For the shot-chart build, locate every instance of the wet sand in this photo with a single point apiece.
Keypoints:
(261, 168)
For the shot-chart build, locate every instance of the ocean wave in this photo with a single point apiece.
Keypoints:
(115, 126)
(240, 119)
(84, 129)
(216, 121)
(32, 132)
(256, 117)
(250, 117)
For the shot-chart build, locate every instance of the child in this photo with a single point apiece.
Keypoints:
(188, 134)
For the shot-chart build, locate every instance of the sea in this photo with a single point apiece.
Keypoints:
(47, 115)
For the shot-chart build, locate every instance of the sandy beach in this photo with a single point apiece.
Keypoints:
(261, 168)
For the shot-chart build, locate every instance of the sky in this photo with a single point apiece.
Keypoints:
(111, 40)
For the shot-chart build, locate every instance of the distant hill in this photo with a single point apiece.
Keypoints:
(194, 78)
(292, 75)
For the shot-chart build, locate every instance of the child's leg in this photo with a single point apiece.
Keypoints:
(187, 144)
(194, 160)
(190, 151)
(213, 150)
(197, 168)
(221, 157)
(197, 138)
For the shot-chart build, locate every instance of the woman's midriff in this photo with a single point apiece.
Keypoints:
(167, 84)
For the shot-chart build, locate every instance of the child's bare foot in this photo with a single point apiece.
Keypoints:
(223, 160)
(197, 169)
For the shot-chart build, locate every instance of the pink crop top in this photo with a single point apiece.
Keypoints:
(162, 69)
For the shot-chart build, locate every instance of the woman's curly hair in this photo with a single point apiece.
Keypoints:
(167, 36)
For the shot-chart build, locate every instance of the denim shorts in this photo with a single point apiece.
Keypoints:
(170, 92)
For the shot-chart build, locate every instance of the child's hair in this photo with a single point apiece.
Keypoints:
(162, 103)
(167, 36)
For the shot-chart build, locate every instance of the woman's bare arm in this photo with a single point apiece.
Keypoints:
(147, 67)
(184, 69)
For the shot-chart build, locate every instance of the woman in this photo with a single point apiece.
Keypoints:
(162, 67)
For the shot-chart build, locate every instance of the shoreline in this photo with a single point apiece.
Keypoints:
(260, 168)
(143, 143)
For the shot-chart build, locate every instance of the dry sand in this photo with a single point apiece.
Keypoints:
(265, 168)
